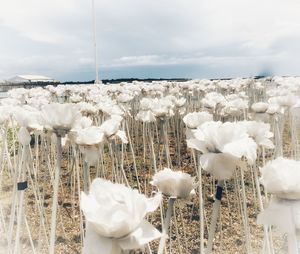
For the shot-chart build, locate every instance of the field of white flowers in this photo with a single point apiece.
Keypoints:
(199, 166)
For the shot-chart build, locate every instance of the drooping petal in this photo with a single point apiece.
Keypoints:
(153, 203)
(122, 136)
(24, 136)
(144, 234)
(93, 243)
(241, 147)
(282, 213)
(220, 165)
(197, 144)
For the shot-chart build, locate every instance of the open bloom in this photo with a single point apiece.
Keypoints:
(111, 128)
(222, 145)
(195, 119)
(115, 218)
(61, 116)
(89, 140)
(281, 177)
(260, 132)
(260, 107)
(89, 136)
(175, 184)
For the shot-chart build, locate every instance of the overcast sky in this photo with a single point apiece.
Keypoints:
(150, 38)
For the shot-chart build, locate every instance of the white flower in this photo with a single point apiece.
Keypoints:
(260, 132)
(87, 108)
(174, 183)
(124, 97)
(223, 145)
(195, 119)
(31, 119)
(213, 99)
(82, 123)
(61, 116)
(274, 108)
(281, 177)
(89, 136)
(234, 107)
(260, 107)
(115, 218)
(162, 107)
(145, 116)
(111, 127)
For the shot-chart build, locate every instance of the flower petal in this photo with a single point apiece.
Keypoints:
(242, 147)
(144, 234)
(197, 144)
(282, 213)
(220, 165)
(153, 203)
(93, 243)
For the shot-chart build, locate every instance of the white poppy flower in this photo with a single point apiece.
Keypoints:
(61, 116)
(89, 136)
(260, 132)
(111, 127)
(281, 177)
(124, 98)
(260, 107)
(174, 183)
(274, 108)
(145, 116)
(162, 107)
(87, 108)
(32, 119)
(82, 123)
(115, 218)
(195, 119)
(234, 107)
(223, 145)
(212, 99)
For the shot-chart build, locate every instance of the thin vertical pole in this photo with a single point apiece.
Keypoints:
(95, 43)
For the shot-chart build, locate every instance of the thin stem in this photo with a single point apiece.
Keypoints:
(162, 242)
(55, 196)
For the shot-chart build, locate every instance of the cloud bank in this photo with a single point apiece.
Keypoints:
(146, 38)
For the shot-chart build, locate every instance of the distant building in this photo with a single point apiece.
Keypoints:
(26, 81)
(31, 79)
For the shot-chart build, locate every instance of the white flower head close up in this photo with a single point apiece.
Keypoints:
(223, 145)
(195, 119)
(61, 116)
(260, 132)
(115, 216)
(174, 183)
(281, 177)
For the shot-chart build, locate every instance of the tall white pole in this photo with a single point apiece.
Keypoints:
(97, 81)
